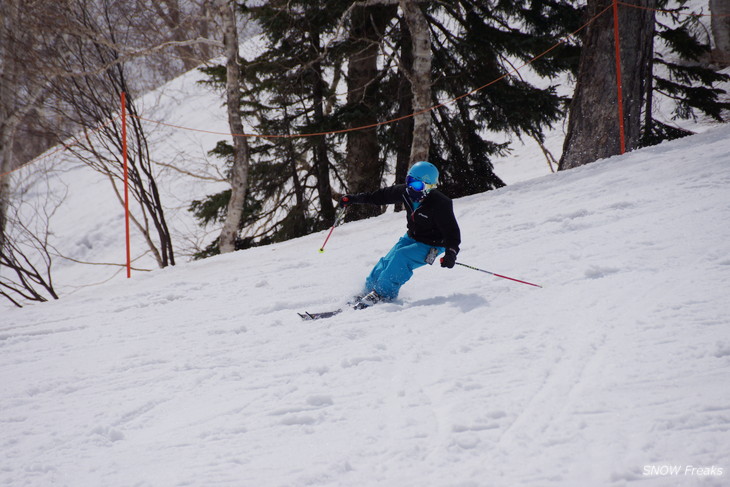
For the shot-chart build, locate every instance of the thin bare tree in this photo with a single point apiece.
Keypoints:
(26, 256)
(90, 100)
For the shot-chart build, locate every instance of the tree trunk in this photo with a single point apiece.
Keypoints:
(8, 91)
(364, 169)
(324, 189)
(593, 123)
(403, 130)
(420, 78)
(239, 171)
(720, 24)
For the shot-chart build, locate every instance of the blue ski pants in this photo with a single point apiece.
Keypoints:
(396, 268)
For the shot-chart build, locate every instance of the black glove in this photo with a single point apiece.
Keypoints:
(449, 259)
(345, 200)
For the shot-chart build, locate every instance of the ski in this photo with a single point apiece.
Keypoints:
(306, 316)
(357, 303)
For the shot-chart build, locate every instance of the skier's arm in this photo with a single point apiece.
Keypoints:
(384, 196)
(445, 221)
(449, 228)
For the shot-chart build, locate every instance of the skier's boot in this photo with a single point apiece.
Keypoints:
(368, 300)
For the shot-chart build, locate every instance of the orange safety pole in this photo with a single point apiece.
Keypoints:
(126, 181)
(618, 78)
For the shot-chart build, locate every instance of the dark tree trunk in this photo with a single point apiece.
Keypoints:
(403, 130)
(324, 189)
(720, 24)
(593, 123)
(364, 168)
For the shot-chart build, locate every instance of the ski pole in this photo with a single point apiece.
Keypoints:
(339, 218)
(497, 275)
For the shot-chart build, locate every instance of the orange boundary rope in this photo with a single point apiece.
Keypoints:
(404, 117)
(364, 127)
(351, 129)
(664, 11)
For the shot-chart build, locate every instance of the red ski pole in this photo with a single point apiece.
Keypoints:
(497, 275)
(339, 218)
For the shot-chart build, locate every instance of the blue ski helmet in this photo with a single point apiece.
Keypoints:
(424, 171)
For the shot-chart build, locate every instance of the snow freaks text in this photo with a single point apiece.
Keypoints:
(682, 470)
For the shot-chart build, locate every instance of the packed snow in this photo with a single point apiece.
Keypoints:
(615, 373)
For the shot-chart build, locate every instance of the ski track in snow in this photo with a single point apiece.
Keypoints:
(203, 375)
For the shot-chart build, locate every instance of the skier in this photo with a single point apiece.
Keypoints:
(432, 230)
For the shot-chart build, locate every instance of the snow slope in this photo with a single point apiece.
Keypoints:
(615, 373)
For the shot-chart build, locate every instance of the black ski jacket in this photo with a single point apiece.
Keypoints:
(432, 223)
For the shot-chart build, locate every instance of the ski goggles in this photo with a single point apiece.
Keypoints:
(418, 185)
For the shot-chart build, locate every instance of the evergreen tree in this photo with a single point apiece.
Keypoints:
(675, 73)
(286, 94)
(682, 76)
(474, 43)
(334, 65)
